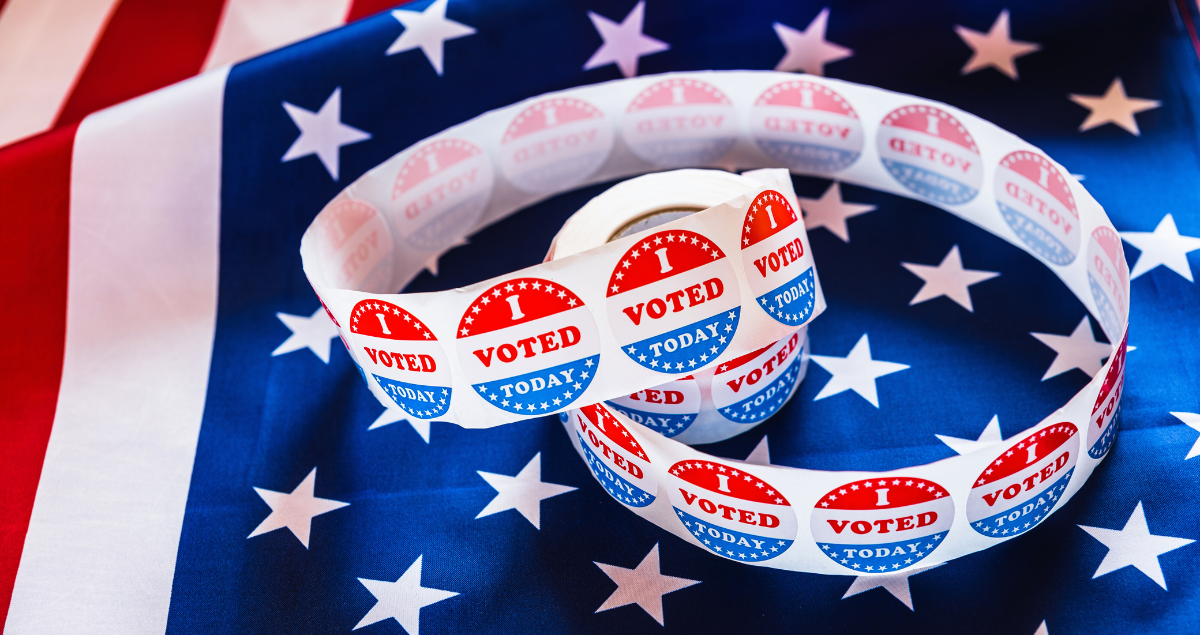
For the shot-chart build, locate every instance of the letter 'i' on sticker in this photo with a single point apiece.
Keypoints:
(782, 279)
(403, 356)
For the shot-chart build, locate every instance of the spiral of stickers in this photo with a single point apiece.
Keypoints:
(614, 320)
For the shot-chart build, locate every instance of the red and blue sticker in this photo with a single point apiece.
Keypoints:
(930, 153)
(1036, 202)
(528, 346)
(353, 238)
(754, 386)
(680, 122)
(617, 460)
(1107, 279)
(731, 512)
(668, 409)
(881, 524)
(400, 352)
(555, 144)
(807, 127)
(673, 301)
(1020, 488)
(780, 275)
(1106, 414)
(441, 191)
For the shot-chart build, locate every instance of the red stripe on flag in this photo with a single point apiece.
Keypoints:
(147, 44)
(360, 9)
(35, 183)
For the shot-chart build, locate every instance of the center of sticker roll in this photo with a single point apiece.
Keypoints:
(403, 356)
(616, 459)
(529, 346)
(673, 302)
(773, 254)
(882, 524)
(731, 512)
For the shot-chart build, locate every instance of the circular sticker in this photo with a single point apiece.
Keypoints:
(353, 239)
(1106, 414)
(441, 190)
(882, 524)
(673, 301)
(1107, 279)
(680, 122)
(773, 256)
(929, 152)
(1020, 488)
(667, 409)
(554, 145)
(732, 513)
(616, 458)
(528, 346)
(404, 357)
(1035, 200)
(806, 127)
(752, 387)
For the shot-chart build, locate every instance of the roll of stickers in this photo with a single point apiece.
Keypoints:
(710, 289)
(718, 402)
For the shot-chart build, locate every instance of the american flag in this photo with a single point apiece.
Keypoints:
(187, 449)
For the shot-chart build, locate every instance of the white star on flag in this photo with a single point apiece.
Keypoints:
(996, 48)
(523, 492)
(830, 212)
(322, 133)
(1163, 246)
(1042, 630)
(313, 332)
(1191, 420)
(989, 436)
(401, 600)
(1114, 107)
(808, 51)
(624, 43)
(427, 30)
(761, 454)
(295, 510)
(894, 583)
(1134, 545)
(1077, 350)
(393, 414)
(947, 279)
(644, 585)
(856, 371)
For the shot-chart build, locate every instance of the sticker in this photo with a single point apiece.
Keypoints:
(667, 409)
(806, 127)
(929, 152)
(673, 301)
(528, 346)
(1106, 414)
(400, 352)
(1107, 279)
(754, 386)
(354, 242)
(882, 524)
(616, 458)
(1035, 200)
(441, 190)
(782, 279)
(1020, 488)
(680, 122)
(555, 145)
(732, 513)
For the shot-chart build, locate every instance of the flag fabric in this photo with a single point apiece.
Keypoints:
(188, 449)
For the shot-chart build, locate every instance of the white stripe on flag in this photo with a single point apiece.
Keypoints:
(252, 27)
(99, 557)
(44, 46)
